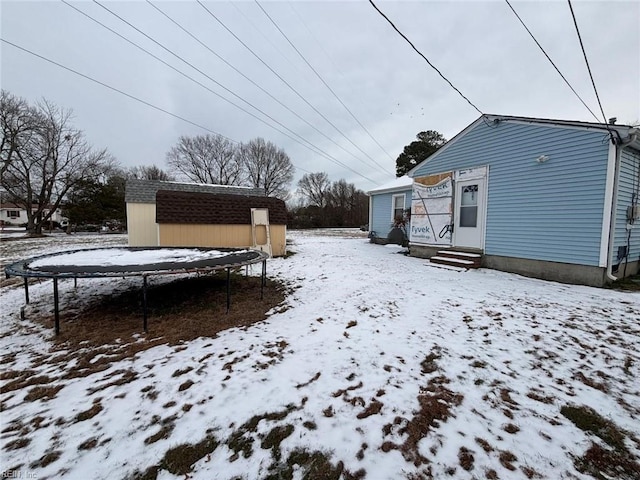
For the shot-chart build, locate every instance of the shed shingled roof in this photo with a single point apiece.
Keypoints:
(144, 191)
(212, 209)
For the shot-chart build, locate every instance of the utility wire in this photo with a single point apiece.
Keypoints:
(326, 85)
(549, 58)
(424, 58)
(128, 95)
(275, 73)
(132, 97)
(587, 62)
(310, 145)
(249, 79)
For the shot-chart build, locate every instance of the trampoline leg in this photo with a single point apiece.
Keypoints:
(228, 289)
(56, 306)
(263, 280)
(75, 283)
(26, 290)
(144, 303)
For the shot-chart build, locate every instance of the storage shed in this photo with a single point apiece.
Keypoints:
(219, 220)
(214, 216)
(552, 199)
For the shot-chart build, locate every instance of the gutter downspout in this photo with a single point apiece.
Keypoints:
(633, 137)
(612, 224)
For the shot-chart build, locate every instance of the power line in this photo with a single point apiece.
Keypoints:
(326, 85)
(424, 58)
(549, 58)
(249, 79)
(584, 53)
(132, 97)
(275, 73)
(128, 95)
(310, 145)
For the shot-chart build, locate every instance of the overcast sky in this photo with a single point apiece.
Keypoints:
(480, 46)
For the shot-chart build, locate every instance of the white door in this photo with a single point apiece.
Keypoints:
(468, 230)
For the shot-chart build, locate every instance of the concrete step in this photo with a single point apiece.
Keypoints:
(457, 259)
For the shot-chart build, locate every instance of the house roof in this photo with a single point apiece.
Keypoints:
(144, 191)
(401, 183)
(626, 133)
(215, 209)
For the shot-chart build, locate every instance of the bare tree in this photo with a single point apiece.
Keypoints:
(206, 159)
(43, 157)
(315, 188)
(149, 172)
(267, 167)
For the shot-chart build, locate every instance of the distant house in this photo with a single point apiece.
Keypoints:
(181, 214)
(552, 199)
(388, 202)
(14, 214)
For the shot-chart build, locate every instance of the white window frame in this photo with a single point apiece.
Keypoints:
(393, 205)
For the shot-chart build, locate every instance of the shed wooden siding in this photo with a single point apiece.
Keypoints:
(237, 236)
(627, 181)
(142, 228)
(381, 216)
(548, 211)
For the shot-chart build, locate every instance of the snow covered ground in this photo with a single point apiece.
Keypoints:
(378, 366)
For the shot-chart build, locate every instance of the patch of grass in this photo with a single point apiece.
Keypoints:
(429, 364)
(540, 398)
(169, 404)
(373, 409)
(22, 379)
(511, 428)
(310, 425)
(315, 465)
(328, 412)
(591, 383)
(95, 409)
(628, 363)
(42, 393)
(506, 458)
(46, 459)
(588, 420)
(342, 391)
(179, 372)
(436, 402)
(352, 324)
(18, 443)
(604, 464)
(128, 376)
(179, 460)
(479, 364)
(163, 433)
(486, 446)
(465, 456)
(88, 444)
(274, 438)
(185, 386)
(241, 441)
(313, 379)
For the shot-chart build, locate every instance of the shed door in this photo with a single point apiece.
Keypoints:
(470, 214)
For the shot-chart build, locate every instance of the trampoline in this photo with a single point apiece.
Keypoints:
(134, 262)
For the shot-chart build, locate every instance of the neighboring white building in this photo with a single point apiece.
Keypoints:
(13, 214)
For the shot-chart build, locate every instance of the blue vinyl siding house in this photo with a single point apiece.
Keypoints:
(551, 199)
(384, 203)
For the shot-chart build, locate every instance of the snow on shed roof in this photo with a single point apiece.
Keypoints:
(144, 191)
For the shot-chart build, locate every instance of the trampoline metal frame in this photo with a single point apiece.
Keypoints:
(21, 269)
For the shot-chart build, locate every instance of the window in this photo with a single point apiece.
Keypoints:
(469, 206)
(397, 207)
(13, 213)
